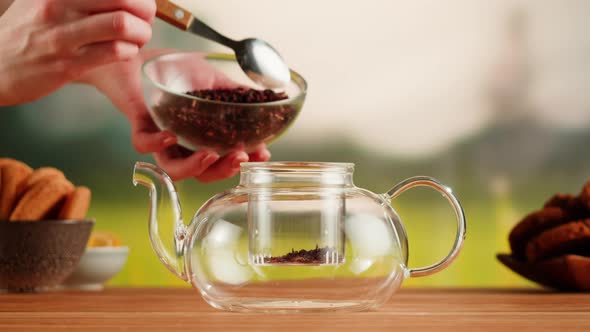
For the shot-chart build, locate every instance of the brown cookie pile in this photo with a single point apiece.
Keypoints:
(41, 194)
(562, 227)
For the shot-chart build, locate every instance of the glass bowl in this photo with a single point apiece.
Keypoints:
(215, 125)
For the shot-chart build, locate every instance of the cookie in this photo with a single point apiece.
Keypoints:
(585, 196)
(14, 176)
(1, 186)
(76, 204)
(5, 161)
(562, 201)
(8, 161)
(570, 238)
(534, 224)
(43, 174)
(39, 201)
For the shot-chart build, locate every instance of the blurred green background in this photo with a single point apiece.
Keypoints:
(489, 98)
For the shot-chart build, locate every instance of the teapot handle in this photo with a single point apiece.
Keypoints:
(425, 181)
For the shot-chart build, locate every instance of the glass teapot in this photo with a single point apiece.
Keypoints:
(292, 236)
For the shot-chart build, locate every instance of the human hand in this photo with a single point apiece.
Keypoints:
(48, 43)
(121, 83)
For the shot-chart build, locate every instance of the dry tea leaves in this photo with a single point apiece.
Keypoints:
(314, 256)
(239, 95)
(222, 126)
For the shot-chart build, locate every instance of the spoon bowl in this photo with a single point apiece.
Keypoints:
(262, 63)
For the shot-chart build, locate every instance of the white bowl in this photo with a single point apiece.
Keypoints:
(97, 266)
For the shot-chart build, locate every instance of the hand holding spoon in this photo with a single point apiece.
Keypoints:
(260, 61)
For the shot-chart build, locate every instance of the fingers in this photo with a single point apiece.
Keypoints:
(260, 155)
(222, 81)
(205, 166)
(208, 77)
(98, 54)
(144, 9)
(113, 26)
(145, 135)
(148, 53)
(178, 165)
(145, 142)
(224, 168)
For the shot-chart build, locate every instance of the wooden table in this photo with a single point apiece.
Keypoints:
(184, 310)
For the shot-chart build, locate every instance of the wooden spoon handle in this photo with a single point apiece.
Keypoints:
(173, 14)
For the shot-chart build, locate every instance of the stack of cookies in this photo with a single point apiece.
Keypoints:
(41, 194)
(552, 245)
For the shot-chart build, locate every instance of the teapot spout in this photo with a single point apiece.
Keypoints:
(160, 185)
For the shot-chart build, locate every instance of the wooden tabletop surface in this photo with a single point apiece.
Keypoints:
(177, 309)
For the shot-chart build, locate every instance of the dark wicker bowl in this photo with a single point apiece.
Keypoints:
(38, 255)
(565, 273)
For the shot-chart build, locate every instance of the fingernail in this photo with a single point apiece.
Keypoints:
(237, 161)
(265, 154)
(210, 158)
(171, 140)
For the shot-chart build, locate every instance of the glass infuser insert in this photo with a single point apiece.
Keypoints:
(296, 228)
(296, 213)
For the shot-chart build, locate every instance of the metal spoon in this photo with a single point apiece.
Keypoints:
(260, 61)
